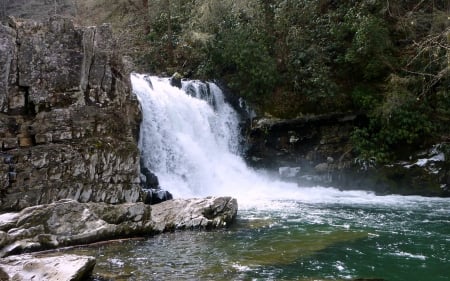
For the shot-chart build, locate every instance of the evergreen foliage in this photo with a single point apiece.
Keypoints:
(389, 60)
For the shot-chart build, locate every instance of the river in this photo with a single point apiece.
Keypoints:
(190, 139)
(390, 238)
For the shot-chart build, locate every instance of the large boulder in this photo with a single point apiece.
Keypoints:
(68, 119)
(68, 222)
(205, 213)
(49, 268)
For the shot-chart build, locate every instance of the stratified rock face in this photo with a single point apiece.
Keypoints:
(318, 150)
(305, 142)
(69, 222)
(68, 119)
(59, 268)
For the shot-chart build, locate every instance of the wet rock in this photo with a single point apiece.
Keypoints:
(288, 172)
(155, 196)
(304, 141)
(210, 212)
(149, 179)
(175, 80)
(320, 145)
(68, 222)
(50, 268)
(322, 168)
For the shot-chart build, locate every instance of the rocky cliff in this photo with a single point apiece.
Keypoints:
(68, 121)
(36, 9)
(318, 150)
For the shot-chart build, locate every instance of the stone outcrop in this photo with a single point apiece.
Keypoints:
(317, 150)
(305, 142)
(36, 9)
(206, 213)
(68, 222)
(49, 268)
(68, 120)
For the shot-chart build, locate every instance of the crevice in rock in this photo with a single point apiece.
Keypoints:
(102, 80)
(115, 75)
(29, 106)
(88, 48)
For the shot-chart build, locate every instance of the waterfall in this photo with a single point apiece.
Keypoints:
(189, 138)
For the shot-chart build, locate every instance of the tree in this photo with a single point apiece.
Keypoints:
(146, 17)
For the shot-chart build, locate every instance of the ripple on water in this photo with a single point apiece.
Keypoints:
(297, 241)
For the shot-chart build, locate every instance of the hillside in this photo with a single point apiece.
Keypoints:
(388, 60)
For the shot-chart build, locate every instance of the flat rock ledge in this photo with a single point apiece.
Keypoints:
(50, 268)
(68, 222)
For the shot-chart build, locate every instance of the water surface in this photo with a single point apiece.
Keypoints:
(391, 238)
(190, 139)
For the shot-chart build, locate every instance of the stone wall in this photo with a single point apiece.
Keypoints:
(68, 120)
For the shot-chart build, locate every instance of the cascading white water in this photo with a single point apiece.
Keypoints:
(190, 139)
(283, 232)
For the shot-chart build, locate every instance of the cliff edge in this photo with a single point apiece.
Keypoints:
(68, 120)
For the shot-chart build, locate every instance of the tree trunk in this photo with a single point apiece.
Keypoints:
(170, 46)
(146, 17)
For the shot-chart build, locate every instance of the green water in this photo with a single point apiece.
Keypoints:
(385, 238)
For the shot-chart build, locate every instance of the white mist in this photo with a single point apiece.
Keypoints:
(191, 142)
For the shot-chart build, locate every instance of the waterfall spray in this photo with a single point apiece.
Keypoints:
(189, 138)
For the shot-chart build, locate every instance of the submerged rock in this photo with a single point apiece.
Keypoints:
(35, 267)
(68, 222)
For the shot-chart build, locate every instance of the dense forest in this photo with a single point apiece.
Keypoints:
(388, 60)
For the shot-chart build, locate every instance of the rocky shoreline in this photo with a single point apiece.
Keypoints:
(316, 150)
(68, 222)
(38, 267)
(69, 161)
(71, 223)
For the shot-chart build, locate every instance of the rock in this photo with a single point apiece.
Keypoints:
(322, 168)
(175, 80)
(155, 196)
(304, 141)
(49, 268)
(69, 120)
(8, 66)
(68, 222)
(149, 180)
(38, 9)
(288, 172)
(210, 212)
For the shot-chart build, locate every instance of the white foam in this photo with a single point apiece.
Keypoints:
(192, 145)
(409, 255)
